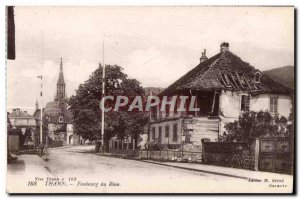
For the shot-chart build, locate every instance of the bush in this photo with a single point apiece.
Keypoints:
(253, 124)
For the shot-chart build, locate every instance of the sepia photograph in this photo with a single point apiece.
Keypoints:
(150, 99)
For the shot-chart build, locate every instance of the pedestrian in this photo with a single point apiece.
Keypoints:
(97, 147)
(41, 148)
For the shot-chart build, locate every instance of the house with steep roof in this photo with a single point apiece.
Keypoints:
(225, 86)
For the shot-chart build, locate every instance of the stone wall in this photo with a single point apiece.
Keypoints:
(230, 154)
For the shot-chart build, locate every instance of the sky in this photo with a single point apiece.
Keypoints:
(155, 45)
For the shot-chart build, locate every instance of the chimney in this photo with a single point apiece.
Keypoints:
(203, 57)
(224, 47)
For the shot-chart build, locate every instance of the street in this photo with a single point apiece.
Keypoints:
(85, 171)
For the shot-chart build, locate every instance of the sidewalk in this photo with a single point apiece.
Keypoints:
(28, 165)
(212, 169)
(225, 171)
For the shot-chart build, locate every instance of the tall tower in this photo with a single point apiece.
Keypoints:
(60, 86)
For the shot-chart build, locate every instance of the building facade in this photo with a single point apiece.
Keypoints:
(224, 87)
(22, 129)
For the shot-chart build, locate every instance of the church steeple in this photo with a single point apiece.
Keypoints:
(60, 86)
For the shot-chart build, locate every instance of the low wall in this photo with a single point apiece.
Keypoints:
(13, 143)
(160, 155)
(230, 154)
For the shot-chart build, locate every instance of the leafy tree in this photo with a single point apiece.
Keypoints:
(85, 106)
(256, 124)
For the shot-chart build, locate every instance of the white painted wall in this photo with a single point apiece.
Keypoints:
(30, 122)
(230, 103)
(260, 102)
(170, 123)
(284, 105)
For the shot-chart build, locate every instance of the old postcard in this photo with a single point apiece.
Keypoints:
(191, 99)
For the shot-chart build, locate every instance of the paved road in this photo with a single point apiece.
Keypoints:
(86, 172)
(80, 162)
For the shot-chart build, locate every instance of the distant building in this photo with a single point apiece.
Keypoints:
(225, 86)
(57, 116)
(21, 119)
(20, 123)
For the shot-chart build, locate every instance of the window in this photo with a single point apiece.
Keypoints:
(60, 119)
(167, 130)
(274, 104)
(257, 76)
(175, 136)
(153, 113)
(153, 133)
(159, 134)
(245, 103)
(167, 110)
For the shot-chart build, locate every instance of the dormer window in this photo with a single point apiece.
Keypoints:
(60, 119)
(257, 76)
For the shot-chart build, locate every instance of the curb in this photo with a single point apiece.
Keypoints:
(185, 168)
(199, 170)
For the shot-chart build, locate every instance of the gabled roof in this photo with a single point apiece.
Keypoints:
(225, 71)
(19, 114)
(55, 109)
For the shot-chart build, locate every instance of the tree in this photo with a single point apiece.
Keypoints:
(256, 124)
(85, 106)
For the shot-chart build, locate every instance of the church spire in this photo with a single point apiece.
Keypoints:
(61, 74)
(60, 86)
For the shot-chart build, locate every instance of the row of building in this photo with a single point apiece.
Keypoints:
(57, 119)
(224, 85)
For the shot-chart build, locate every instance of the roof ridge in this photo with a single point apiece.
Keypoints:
(210, 67)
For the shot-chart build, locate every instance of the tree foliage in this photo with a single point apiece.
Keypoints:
(85, 105)
(255, 125)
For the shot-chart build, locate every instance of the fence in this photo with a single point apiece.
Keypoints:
(55, 143)
(160, 155)
(275, 155)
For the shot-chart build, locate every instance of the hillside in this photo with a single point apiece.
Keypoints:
(284, 75)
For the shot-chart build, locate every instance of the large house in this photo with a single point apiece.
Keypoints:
(225, 86)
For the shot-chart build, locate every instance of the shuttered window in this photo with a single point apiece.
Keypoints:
(274, 105)
(167, 130)
(153, 133)
(175, 132)
(245, 103)
(159, 134)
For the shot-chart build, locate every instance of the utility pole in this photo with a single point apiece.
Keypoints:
(103, 93)
(41, 94)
